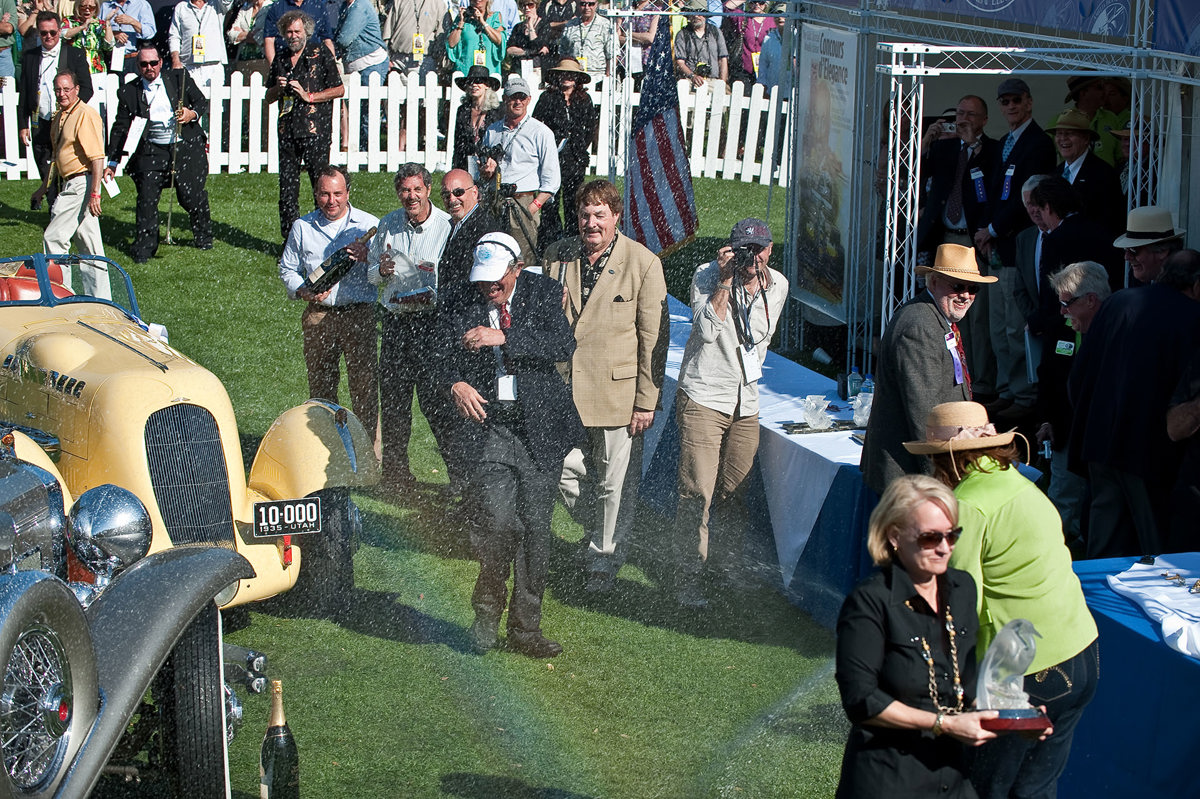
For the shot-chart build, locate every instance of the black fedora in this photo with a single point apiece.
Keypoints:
(478, 74)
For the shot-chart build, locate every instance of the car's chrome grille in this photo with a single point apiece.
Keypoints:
(187, 469)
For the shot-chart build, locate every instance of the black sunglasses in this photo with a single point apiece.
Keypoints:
(154, 63)
(959, 288)
(930, 539)
(47, 34)
(460, 191)
(1071, 301)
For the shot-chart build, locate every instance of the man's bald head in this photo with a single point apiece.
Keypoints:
(459, 194)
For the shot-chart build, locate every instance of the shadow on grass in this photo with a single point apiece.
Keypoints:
(487, 786)
(377, 614)
(680, 265)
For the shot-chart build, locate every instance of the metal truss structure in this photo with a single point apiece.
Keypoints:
(898, 52)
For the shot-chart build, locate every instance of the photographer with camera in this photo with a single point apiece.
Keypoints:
(736, 303)
(700, 49)
(477, 38)
(520, 155)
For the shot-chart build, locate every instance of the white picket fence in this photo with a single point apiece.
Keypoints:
(243, 134)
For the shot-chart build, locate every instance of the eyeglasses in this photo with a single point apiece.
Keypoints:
(1010, 99)
(48, 34)
(585, 5)
(153, 63)
(930, 539)
(1071, 301)
(458, 192)
(959, 288)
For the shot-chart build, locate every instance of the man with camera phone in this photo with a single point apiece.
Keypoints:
(524, 152)
(736, 303)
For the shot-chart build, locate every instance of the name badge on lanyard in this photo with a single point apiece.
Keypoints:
(1008, 176)
(977, 181)
(480, 58)
(198, 49)
(418, 44)
(751, 368)
(952, 346)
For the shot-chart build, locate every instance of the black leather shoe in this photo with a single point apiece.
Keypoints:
(535, 646)
(483, 635)
(206, 245)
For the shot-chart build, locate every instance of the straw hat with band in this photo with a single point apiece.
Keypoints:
(569, 66)
(956, 427)
(1072, 119)
(695, 7)
(1149, 224)
(957, 262)
(478, 74)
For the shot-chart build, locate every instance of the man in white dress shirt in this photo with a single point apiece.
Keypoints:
(197, 43)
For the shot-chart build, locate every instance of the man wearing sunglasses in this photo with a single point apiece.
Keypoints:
(469, 221)
(171, 150)
(36, 103)
(922, 363)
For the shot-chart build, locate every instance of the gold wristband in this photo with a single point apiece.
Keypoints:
(937, 724)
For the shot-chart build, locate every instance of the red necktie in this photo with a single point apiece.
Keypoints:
(954, 203)
(505, 324)
(962, 358)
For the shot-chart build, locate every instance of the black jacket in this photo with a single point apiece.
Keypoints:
(1033, 154)
(69, 58)
(455, 264)
(939, 168)
(538, 339)
(1099, 190)
(131, 102)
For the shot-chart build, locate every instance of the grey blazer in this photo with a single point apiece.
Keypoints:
(915, 372)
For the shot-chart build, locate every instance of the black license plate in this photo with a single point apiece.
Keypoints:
(287, 517)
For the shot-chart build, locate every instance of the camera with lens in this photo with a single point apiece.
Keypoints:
(508, 189)
(470, 15)
(495, 152)
(703, 69)
(743, 258)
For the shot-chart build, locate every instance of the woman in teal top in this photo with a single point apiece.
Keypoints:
(1012, 544)
(477, 38)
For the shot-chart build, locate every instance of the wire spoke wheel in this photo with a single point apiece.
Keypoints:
(35, 707)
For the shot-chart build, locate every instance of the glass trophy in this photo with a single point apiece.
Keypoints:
(1002, 679)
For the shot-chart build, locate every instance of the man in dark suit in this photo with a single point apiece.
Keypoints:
(35, 103)
(1121, 386)
(1020, 284)
(501, 339)
(460, 198)
(1024, 152)
(922, 363)
(1095, 181)
(171, 124)
(959, 167)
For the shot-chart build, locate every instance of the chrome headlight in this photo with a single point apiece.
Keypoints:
(109, 530)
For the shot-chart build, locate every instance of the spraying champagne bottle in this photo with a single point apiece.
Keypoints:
(279, 762)
(334, 268)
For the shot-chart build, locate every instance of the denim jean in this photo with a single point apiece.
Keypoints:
(1017, 767)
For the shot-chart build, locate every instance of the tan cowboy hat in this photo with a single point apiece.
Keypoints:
(695, 7)
(957, 426)
(1073, 119)
(1078, 83)
(571, 67)
(1149, 224)
(958, 263)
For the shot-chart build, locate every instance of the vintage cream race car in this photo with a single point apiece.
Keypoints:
(102, 398)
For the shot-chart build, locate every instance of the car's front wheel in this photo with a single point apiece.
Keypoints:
(326, 581)
(49, 696)
(190, 694)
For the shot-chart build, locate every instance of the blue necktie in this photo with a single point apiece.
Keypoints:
(1009, 142)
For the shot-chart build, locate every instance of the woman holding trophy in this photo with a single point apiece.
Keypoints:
(906, 663)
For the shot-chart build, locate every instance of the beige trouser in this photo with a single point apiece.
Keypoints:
(70, 220)
(716, 452)
(600, 488)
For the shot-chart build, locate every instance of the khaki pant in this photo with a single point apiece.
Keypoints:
(330, 334)
(600, 488)
(716, 452)
(70, 220)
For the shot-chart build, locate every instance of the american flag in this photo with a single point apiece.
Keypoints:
(661, 207)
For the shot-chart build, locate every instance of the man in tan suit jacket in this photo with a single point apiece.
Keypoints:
(616, 302)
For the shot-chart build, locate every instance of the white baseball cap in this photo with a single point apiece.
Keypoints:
(493, 254)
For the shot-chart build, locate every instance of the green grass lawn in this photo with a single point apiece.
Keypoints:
(647, 701)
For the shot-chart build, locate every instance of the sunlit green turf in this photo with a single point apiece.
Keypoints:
(647, 701)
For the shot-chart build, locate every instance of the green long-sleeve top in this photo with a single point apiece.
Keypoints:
(1012, 544)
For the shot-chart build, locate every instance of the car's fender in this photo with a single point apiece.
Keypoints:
(312, 446)
(28, 450)
(144, 611)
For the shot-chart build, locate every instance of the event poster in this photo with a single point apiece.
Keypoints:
(826, 75)
(1101, 17)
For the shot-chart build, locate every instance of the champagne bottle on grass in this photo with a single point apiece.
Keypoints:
(279, 762)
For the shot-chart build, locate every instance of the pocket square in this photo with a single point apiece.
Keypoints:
(618, 298)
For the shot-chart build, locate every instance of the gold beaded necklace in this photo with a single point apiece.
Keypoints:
(927, 654)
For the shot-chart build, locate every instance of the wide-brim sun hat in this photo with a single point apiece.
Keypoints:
(1073, 119)
(569, 66)
(1149, 224)
(695, 7)
(958, 426)
(957, 263)
(478, 74)
(1077, 83)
